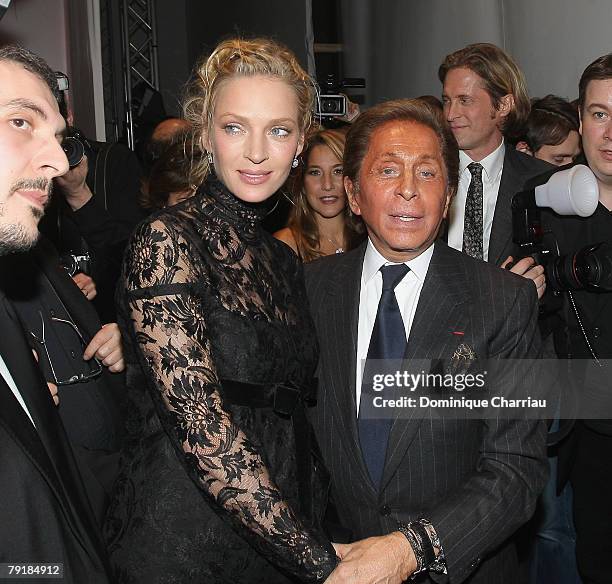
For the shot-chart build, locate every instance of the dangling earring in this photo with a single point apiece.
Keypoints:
(210, 158)
(295, 162)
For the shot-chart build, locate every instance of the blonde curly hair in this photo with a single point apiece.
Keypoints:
(238, 57)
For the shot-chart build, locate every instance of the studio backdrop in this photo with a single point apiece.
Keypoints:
(399, 44)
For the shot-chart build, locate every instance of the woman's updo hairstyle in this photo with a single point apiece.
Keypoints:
(242, 58)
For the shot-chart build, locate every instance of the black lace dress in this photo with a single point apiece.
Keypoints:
(217, 481)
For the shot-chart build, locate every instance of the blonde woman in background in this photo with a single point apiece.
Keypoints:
(217, 480)
(320, 221)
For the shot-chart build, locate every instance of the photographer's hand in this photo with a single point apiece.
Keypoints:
(353, 110)
(86, 285)
(73, 185)
(528, 268)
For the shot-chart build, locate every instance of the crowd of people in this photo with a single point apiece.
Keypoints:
(187, 397)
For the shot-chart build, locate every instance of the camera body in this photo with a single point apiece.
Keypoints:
(75, 264)
(331, 102)
(589, 268)
(332, 105)
(76, 146)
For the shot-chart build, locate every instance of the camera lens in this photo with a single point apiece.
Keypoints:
(74, 149)
(589, 269)
(331, 106)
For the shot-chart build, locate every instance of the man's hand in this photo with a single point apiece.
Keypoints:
(106, 346)
(86, 285)
(54, 394)
(73, 185)
(352, 110)
(388, 559)
(52, 387)
(528, 268)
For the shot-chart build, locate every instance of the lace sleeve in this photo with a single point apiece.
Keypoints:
(170, 330)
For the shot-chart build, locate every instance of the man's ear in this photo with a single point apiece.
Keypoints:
(351, 194)
(506, 105)
(580, 120)
(450, 193)
(523, 147)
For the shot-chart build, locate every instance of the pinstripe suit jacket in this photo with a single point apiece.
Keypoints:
(476, 481)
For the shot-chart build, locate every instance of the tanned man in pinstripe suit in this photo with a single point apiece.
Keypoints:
(442, 496)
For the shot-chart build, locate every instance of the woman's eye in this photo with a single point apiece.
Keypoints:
(280, 132)
(231, 129)
(314, 172)
(428, 173)
(599, 115)
(338, 171)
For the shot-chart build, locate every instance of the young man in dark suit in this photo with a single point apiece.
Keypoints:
(586, 454)
(485, 101)
(431, 495)
(45, 516)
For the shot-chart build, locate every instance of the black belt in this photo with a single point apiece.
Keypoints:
(285, 399)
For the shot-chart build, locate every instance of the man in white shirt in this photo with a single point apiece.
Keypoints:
(45, 517)
(423, 493)
(485, 98)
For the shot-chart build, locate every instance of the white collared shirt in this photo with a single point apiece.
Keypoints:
(6, 374)
(492, 167)
(407, 293)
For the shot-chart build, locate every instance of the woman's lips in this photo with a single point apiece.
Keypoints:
(329, 200)
(254, 178)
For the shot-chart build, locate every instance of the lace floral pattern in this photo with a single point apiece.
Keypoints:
(209, 295)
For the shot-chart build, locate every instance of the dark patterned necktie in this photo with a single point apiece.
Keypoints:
(472, 224)
(388, 341)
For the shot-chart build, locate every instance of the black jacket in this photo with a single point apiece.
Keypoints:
(44, 513)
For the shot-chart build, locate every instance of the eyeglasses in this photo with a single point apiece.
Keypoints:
(95, 364)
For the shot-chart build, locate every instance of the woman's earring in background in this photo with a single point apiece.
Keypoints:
(210, 158)
(295, 162)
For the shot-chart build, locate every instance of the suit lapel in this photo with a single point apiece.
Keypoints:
(57, 462)
(17, 424)
(80, 310)
(500, 242)
(437, 318)
(343, 317)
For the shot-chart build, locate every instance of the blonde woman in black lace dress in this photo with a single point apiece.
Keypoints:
(218, 481)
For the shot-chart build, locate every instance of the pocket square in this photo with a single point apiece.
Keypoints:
(463, 355)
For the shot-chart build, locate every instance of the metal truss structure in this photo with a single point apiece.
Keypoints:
(129, 56)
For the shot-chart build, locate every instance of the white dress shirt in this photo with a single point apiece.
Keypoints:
(492, 167)
(6, 374)
(407, 293)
